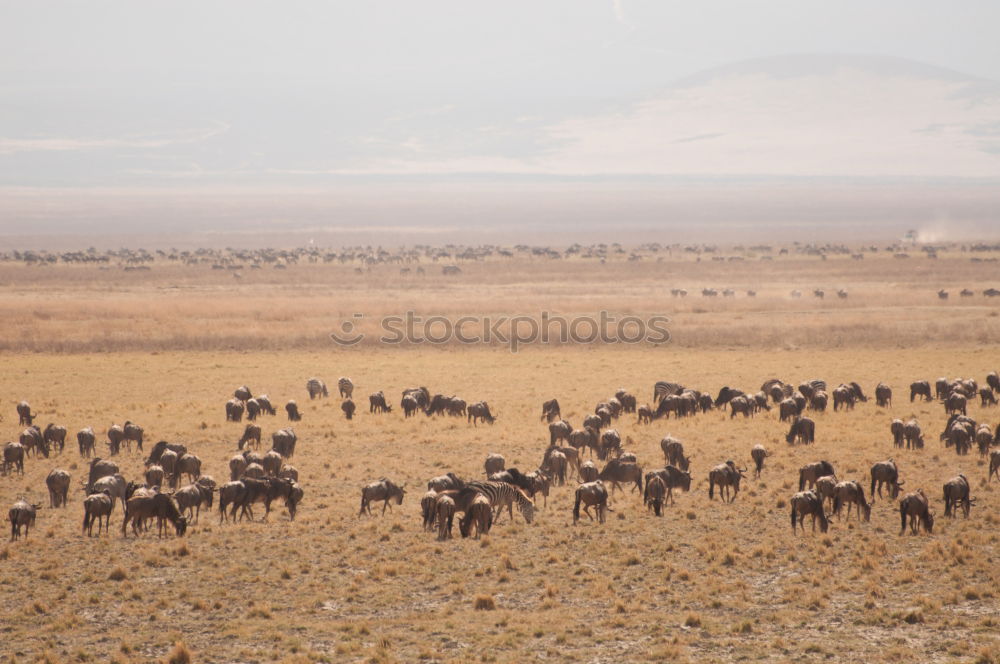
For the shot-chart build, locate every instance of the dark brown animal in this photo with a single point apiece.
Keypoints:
(915, 507)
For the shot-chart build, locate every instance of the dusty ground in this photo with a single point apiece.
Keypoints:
(707, 582)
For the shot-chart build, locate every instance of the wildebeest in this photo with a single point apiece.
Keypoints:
(159, 505)
(55, 435)
(673, 478)
(826, 488)
(253, 409)
(589, 472)
(421, 396)
(788, 409)
(626, 400)
(346, 387)
(617, 471)
(807, 503)
(727, 477)
(959, 432)
(154, 475)
(348, 407)
(156, 454)
(591, 494)
(555, 464)
(231, 493)
(316, 388)
(610, 440)
(843, 397)
(516, 478)
(955, 403)
(409, 405)
(920, 388)
(377, 403)
(809, 473)
(803, 429)
(850, 493)
(57, 482)
(758, 453)
(818, 401)
(741, 404)
(656, 490)
(986, 397)
(883, 395)
(87, 441)
(896, 428)
(993, 381)
(234, 410)
(251, 434)
(480, 411)
(114, 485)
(444, 510)
(242, 393)
(726, 394)
(916, 507)
(24, 416)
(494, 464)
(97, 506)
(384, 490)
(438, 405)
(266, 490)
(480, 515)
(994, 465)
(116, 435)
(586, 437)
(550, 410)
(446, 482)
(645, 414)
(31, 439)
(13, 456)
(99, 468)
(913, 435)
(941, 388)
(283, 442)
(22, 513)
(956, 494)
(887, 473)
(984, 438)
(673, 453)
(559, 431)
(133, 434)
(292, 409)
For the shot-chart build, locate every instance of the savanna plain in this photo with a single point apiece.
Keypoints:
(90, 345)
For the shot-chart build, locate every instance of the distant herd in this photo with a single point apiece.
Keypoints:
(263, 478)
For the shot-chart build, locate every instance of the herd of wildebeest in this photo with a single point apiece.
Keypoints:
(264, 478)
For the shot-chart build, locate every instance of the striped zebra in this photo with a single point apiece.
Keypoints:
(346, 387)
(316, 388)
(502, 495)
(662, 389)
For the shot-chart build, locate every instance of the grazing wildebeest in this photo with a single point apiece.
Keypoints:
(559, 431)
(22, 513)
(316, 388)
(656, 490)
(377, 403)
(883, 395)
(986, 397)
(87, 441)
(758, 454)
(727, 476)
(673, 478)
(24, 416)
(920, 388)
(851, 493)
(242, 393)
(956, 494)
(516, 478)
(116, 435)
(803, 429)
(645, 414)
(806, 503)
(444, 510)
(265, 404)
(586, 437)
(57, 482)
(189, 465)
(593, 421)
(859, 394)
(31, 439)
(156, 454)
(617, 471)
(993, 381)
(266, 490)
(913, 435)
(253, 409)
(741, 404)
(55, 436)
(132, 434)
(960, 431)
(114, 485)
(447, 482)
(231, 493)
(427, 507)
(480, 515)
(626, 400)
(809, 473)
(826, 488)
(251, 434)
(591, 494)
(480, 411)
(896, 427)
(384, 490)
(346, 387)
(610, 440)
(283, 442)
(673, 453)
(100, 468)
(13, 456)
(234, 410)
(941, 388)
(955, 403)
(494, 464)
(726, 394)
(842, 396)
(168, 460)
(984, 438)
(456, 407)
(292, 409)
(788, 409)
(818, 401)
(438, 405)
(97, 506)
(885, 473)
(161, 506)
(409, 405)
(589, 472)
(550, 410)
(916, 507)
(154, 475)
(555, 464)
(994, 465)
(348, 407)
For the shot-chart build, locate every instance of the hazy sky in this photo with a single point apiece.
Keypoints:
(128, 95)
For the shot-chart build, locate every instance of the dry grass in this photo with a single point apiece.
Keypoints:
(707, 582)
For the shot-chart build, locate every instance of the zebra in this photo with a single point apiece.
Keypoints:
(346, 387)
(663, 389)
(503, 495)
(316, 388)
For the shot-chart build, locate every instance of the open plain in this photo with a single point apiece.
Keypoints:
(94, 344)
